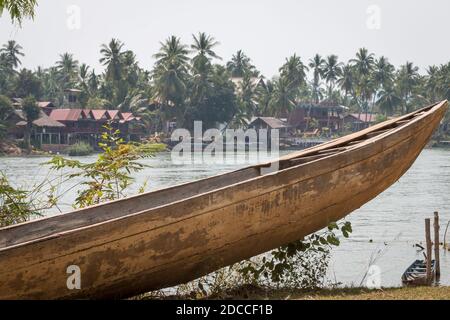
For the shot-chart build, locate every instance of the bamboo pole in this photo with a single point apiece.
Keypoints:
(436, 243)
(428, 242)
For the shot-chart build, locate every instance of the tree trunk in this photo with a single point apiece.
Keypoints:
(27, 138)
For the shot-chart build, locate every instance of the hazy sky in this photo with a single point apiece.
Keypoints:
(267, 30)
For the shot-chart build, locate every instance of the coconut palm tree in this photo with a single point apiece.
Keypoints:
(112, 56)
(294, 71)
(364, 61)
(363, 64)
(383, 73)
(13, 53)
(331, 72)
(240, 64)
(170, 76)
(346, 80)
(18, 10)
(203, 47)
(283, 98)
(407, 79)
(316, 64)
(263, 97)
(201, 64)
(388, 100)
(67, 68)
(31, 113)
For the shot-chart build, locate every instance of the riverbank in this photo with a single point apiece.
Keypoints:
(349, 293)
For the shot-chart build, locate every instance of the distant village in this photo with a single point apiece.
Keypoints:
(59, 127)
(308, 102)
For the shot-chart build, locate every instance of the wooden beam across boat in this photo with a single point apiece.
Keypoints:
(174, 235)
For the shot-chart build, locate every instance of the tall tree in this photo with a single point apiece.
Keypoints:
(316, 64)
(407, 79)
(294, 71)
(283, 98)
(112, 56)
(203, 48)
(331, 72)
(13, 52)
(67, 68)
(31, 113)
(170, 77)
(240, 64)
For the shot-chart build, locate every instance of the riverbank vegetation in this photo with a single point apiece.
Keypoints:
(79, 149)
(107, 178)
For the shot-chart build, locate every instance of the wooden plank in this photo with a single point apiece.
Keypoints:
(429, 251)
(436, 244)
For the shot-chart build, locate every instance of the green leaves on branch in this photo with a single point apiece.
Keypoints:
(299, 264)
(16, 205)
(110, 175)
(18, 9)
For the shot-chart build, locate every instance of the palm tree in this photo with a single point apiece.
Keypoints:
(432, 83)
(13, 51)
(203, 47)
(364, 64)
(383, 77)
(331, 72)
(407, 79)
(170, 76)
(201, 64)
(383, 73)
(263, 97)
(364, 61)
(346, 81)
(31, 112)
(294, 71)
(83, 77)
(388, 100)
(282, 101)
(112, 55)
(67, 67)
(317, 65)
(240, 65)
(18, 10)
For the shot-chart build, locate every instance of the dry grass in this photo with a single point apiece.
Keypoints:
(411, 293)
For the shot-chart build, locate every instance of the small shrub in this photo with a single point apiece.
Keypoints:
(80, 149)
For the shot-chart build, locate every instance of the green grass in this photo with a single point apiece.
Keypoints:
(80, 149)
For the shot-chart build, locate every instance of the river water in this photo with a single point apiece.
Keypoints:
(385, 230)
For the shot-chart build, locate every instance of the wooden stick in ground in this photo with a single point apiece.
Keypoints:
(428, 241)
(436, 243)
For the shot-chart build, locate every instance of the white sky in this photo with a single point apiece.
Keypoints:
(267, 30)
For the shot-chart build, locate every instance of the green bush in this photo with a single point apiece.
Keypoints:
(80, 149)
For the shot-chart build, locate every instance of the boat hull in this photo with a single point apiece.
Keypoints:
(180, 241)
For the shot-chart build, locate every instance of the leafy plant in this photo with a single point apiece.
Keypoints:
(15, 204)
(109, 176)
(300, 264)
(80, 149)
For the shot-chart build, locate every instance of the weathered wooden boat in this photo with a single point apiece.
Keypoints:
(174, 235)
(416, 274)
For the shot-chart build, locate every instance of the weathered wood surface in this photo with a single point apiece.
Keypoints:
(429, 250)
(174, 235)
(437, 245)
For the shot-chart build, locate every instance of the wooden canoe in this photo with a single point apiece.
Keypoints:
(167, 237)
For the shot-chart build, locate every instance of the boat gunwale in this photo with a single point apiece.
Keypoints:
(333, 143)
